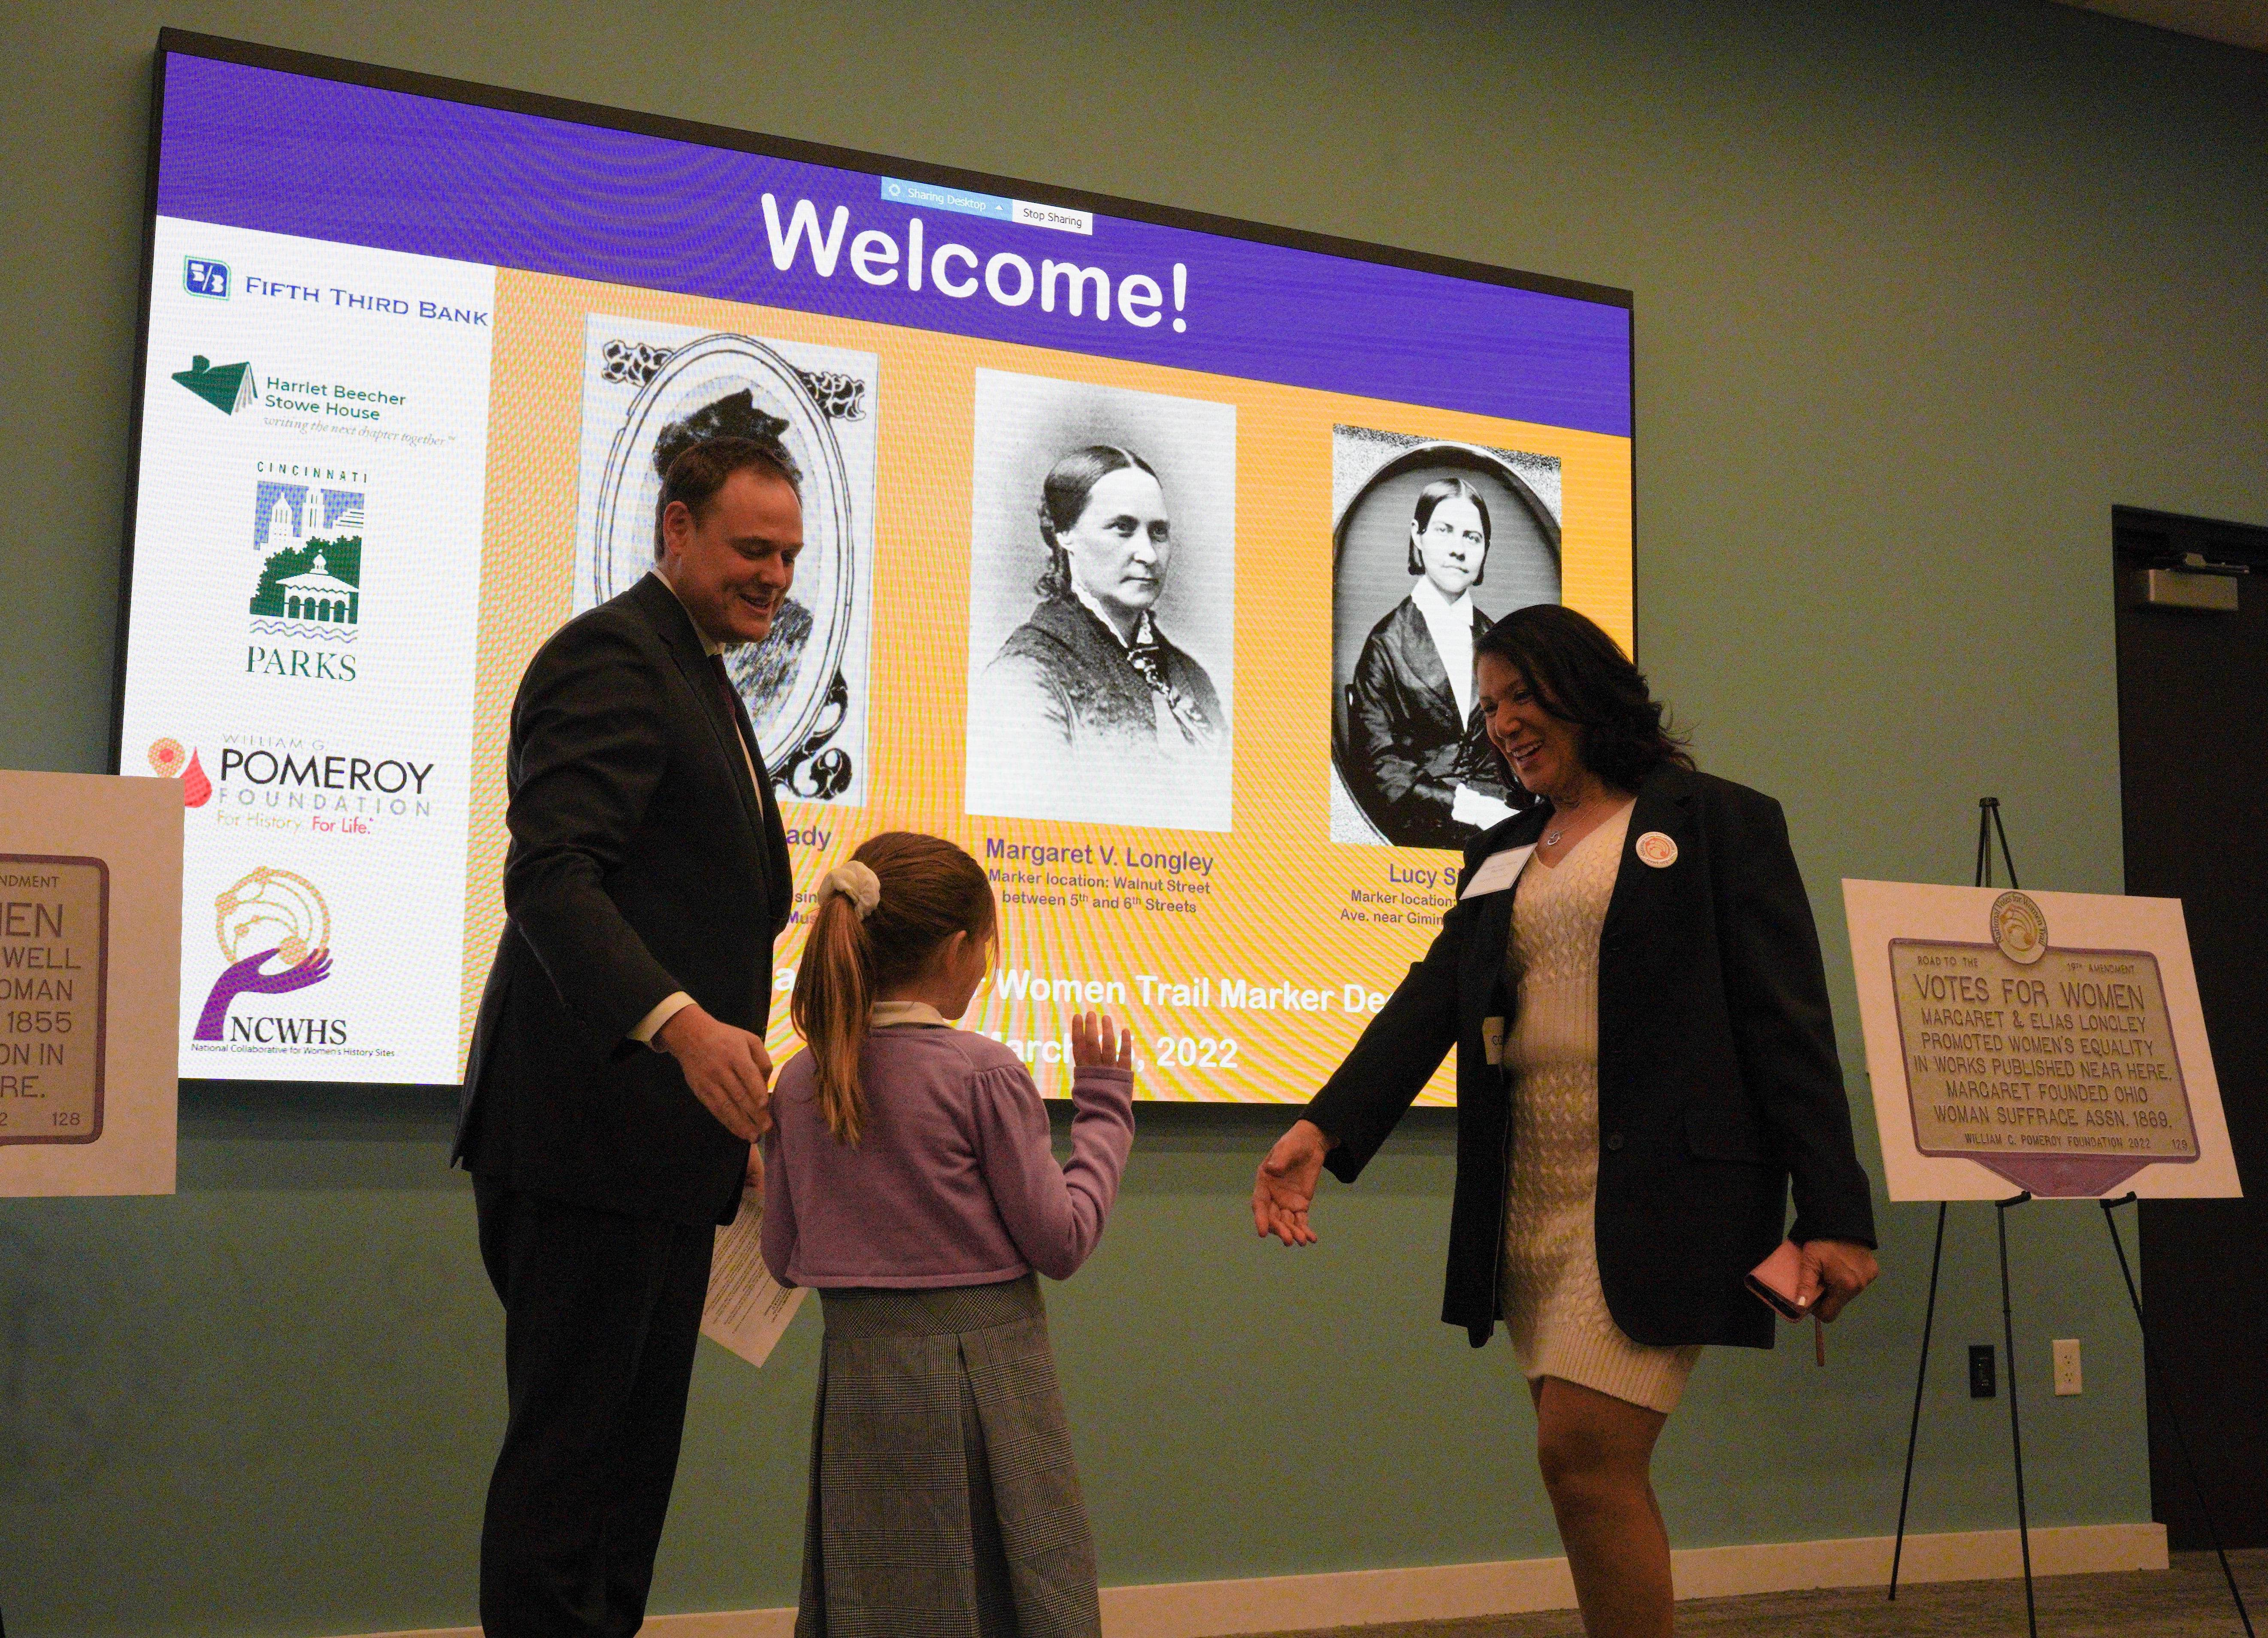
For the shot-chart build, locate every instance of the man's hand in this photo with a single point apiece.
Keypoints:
(728, 1070)
(1284, 1186)
(1834, 1272)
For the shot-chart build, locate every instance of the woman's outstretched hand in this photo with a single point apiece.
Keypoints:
(1097, 1042)
(1284, 1186)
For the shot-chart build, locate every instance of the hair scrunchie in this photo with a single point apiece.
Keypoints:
(854, 881)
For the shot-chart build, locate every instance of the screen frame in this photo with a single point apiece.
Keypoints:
(185, 43)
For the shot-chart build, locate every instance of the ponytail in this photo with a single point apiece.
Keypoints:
(834, 995)
(880, 917)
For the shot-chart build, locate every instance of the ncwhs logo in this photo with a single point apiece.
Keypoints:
(227, 388)
(270, 915)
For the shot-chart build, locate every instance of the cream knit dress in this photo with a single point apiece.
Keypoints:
(1553, 1305)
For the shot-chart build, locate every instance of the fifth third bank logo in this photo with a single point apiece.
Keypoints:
(202, 275)
(274, 933)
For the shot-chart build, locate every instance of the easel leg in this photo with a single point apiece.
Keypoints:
(2152, 1373)
(1989, 828)
(1921, 1377)
(2016, 1427)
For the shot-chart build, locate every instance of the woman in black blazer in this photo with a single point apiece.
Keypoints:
(1711, 1082)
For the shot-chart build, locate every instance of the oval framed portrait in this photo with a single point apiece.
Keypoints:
(1379, 481)
(731, 384)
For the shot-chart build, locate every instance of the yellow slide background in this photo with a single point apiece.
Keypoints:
(1278, 881)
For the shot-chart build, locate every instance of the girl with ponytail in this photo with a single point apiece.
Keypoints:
(913, 1184)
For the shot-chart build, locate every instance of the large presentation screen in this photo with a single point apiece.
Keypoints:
(1144, 551)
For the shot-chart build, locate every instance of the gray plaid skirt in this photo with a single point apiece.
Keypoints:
(942, 1499)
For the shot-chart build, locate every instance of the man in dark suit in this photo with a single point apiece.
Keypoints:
(618, 1073)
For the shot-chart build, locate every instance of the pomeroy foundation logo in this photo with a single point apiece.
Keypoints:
(169, 761)
(227, 388)
(274, 933)
(306, 604)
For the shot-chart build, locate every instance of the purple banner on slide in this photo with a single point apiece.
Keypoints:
(318, 159)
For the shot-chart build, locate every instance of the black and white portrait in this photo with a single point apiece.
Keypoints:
(1432, 542)
(650, 391)
(1102, 590)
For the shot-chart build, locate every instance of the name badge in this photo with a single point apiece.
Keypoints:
(1497, 872)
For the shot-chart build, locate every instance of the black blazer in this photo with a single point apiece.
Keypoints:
(642, 861)
(1718, 1077)
(1404, 739)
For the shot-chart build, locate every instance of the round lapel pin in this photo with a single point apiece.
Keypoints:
(1657, 850)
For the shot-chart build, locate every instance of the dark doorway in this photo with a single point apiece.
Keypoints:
(2193, 766)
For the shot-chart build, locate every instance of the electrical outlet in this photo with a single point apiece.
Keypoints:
(1984, 1375)
(2067, 1365)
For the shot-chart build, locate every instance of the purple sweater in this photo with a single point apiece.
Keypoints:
(953, 1182)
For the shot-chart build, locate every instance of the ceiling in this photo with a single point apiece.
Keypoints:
(2232, 22)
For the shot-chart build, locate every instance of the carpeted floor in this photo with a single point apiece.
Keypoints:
(2191, 1600)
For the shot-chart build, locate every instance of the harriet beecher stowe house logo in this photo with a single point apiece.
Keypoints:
(227, 388)
(306, 605)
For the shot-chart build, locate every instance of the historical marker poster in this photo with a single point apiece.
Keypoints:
(2045, 1041)
(90, 964)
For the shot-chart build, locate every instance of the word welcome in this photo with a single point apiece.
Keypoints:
(956, 272)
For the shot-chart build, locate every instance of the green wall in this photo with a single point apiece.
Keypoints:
(1923, 290)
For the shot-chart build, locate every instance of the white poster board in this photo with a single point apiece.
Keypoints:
(2045, 1041)
(90, 983)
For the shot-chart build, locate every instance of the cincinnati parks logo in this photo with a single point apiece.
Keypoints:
(227, 388)
(274, 929)
(306, 606)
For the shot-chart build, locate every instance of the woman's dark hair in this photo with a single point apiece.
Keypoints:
(1582, 676)
(1063, 500)
(1422, 515)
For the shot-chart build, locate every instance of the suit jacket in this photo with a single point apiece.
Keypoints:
(1404, 737)
(1083, 685)
(1718, 1076)
(642, 861)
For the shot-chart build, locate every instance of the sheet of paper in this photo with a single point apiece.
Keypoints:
(747, 1310)
(1497, 872)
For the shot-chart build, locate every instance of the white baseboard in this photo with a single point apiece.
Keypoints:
(1432, 1592)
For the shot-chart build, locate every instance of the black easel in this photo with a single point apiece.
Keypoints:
(1988, 828)
(2152, 1373)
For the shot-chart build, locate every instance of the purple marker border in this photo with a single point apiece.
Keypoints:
(328, 150)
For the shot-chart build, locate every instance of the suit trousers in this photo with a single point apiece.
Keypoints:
(602, 1314)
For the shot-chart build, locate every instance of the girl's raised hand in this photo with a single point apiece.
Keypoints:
(1097, 1042)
